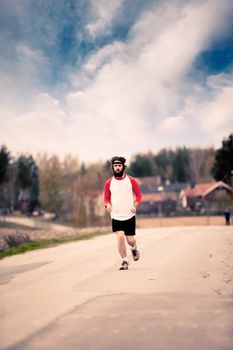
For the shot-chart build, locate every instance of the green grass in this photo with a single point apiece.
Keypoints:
(46, 243)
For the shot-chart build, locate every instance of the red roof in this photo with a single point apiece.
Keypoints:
(219, 185)
(198, 190)
(201, 190)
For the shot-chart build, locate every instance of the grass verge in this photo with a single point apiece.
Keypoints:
(46, 243)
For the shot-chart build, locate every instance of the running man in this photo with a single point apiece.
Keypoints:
(122, 196)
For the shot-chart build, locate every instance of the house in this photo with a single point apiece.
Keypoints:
(160, 203)
(196, 198)
(149, 184)
(153, 184)
(157, 198)
(219, 189)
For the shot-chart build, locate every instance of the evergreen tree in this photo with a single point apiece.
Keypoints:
(4, 164)
(181, 166)
(164, 160)
(222, 169)
(28, 179)
(4, 175)
(141, 165)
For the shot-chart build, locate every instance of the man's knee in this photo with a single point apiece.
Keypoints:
(120, 235)
(131, 239)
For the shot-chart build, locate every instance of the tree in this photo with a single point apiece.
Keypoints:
(24, 173)
(51, 184)
(141, 165)
(4, 164)
(28, 180)
(163, 161)
(201, 161)
(34, 202)
(181, 165)
(222, 169)
(4, 175)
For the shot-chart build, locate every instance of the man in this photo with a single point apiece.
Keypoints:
(227, 215)
(122, 196)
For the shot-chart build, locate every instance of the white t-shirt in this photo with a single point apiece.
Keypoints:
(121, 193)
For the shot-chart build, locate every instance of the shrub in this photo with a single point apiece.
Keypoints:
(14, 240)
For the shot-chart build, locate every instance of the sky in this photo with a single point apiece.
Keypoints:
(98, 78)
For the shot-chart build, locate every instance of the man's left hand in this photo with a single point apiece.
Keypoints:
(133, 209)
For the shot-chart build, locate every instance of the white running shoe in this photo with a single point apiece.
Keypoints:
(135, 254)
(124, 265)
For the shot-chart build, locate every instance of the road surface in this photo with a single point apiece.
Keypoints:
(178, 296)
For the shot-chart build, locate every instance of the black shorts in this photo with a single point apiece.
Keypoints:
(128, 226)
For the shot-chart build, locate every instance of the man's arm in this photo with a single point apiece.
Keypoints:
(137, 193)
(107, 196)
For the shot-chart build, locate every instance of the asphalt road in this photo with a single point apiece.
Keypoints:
(178, 296)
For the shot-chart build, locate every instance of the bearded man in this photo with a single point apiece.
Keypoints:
(122, 196)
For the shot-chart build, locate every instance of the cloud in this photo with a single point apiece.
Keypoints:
(103, 56)
(173, 125)
(141, 84)
(30, 61)
(103, 12)
(127, 96)
(41, 126)
(216, 114)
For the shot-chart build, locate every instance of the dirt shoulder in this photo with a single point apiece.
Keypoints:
(141, 223)
(25, 235)
(180, 221)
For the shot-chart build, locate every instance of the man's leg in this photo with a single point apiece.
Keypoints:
(122, 250)
(121, 244)
(131, 241)
(133, 244)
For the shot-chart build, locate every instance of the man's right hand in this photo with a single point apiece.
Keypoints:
(109, 208)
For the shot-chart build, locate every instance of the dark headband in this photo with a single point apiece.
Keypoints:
(118, 160)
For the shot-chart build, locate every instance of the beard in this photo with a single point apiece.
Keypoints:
(118, 173)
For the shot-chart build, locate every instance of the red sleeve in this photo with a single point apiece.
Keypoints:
(136, 190)
(107, 192)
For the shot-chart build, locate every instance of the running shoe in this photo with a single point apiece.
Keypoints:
(135, 254)
(124, 265)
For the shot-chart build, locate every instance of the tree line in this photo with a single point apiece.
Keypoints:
(183, 165)
(68, 188)
(18, 179)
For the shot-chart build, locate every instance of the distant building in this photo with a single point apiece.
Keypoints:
(158, 204)
(149, 184)
(169, 198)
(153, 184)
(196, 198)
(159, 199)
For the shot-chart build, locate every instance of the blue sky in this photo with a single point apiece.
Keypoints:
(98, 78)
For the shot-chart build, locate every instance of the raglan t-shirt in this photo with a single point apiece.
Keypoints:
(121, 193)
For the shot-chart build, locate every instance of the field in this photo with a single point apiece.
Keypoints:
(180, 221)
